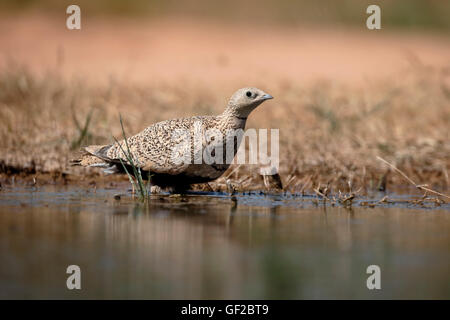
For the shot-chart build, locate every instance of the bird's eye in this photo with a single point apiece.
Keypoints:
(249, 94)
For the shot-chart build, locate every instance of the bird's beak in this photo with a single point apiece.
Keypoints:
(266, 97)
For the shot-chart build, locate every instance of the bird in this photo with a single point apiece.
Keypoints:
(153, 149)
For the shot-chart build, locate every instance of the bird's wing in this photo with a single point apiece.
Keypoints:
(156, 149)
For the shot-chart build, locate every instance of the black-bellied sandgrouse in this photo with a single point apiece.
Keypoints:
(162, 151)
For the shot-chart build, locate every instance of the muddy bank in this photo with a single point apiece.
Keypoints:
(258, 194)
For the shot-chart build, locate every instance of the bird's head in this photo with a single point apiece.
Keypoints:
(245, 100)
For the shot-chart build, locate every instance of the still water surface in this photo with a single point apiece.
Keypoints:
(209, 246)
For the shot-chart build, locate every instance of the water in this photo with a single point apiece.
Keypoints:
(209, 246)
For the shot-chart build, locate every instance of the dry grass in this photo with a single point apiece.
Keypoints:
(329, 135)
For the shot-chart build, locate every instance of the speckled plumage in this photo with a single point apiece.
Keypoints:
(152, 149)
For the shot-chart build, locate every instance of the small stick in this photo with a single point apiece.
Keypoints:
(323, 196)
(420, 187)
(233, 171)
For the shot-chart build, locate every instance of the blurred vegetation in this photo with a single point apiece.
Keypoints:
(411, 14)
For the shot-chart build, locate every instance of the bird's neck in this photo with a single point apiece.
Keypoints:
(230, 119)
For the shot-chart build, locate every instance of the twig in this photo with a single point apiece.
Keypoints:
(233, 171)
(316, 190)
(418, 186)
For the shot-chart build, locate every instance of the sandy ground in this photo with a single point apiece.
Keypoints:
(227, 56)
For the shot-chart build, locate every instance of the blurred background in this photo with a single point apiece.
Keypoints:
(413, 14)
(241, 41)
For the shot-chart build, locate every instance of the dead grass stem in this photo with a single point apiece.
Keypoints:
(423, 187)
